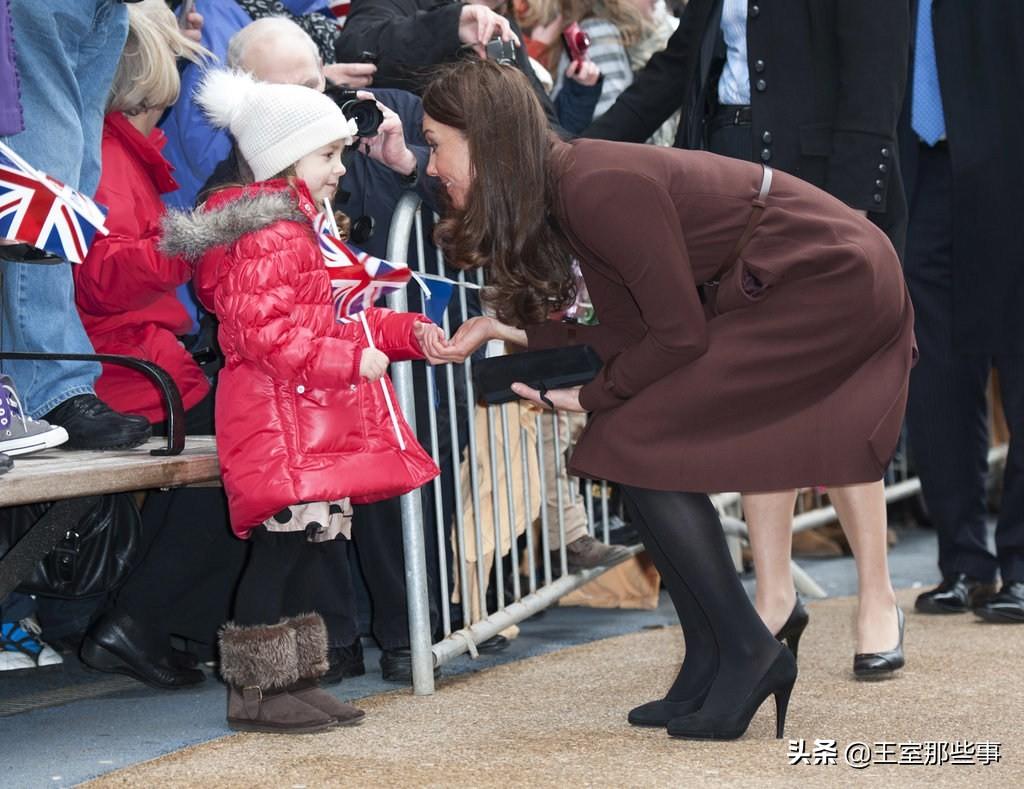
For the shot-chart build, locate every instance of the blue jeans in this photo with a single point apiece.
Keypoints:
(66, 52)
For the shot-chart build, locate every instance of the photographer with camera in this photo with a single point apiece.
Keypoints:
(410, 36)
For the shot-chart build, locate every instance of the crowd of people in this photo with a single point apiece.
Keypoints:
(792, 221)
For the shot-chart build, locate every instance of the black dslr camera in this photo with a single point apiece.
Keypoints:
(364, 112)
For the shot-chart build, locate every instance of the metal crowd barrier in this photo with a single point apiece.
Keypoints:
(509, 445)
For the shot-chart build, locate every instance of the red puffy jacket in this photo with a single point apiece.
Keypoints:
(295, 420)
(125, 288)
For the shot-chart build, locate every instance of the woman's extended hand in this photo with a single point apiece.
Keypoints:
(432, 341)
(388, 146)
(561, 399)
(474, 333)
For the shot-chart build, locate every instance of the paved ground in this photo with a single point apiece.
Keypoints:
(65, 726)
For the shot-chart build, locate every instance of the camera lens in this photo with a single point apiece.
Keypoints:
(366, 114)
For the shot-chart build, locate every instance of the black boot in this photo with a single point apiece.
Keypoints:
(749, 663)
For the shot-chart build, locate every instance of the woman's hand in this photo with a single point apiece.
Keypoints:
(351, 75)
(474, 333)
(585, 72)
(388, 146)
(478, 24)
(193, 27)
(431, 340)
(373, 364)
(561, 399)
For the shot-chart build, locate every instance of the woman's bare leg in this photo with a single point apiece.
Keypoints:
(769, 518)
(861, 510)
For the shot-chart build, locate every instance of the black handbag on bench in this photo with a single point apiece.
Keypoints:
(553, 368)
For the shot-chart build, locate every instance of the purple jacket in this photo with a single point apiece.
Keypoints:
(11, 121)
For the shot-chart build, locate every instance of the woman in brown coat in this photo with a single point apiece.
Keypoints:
(756, 336)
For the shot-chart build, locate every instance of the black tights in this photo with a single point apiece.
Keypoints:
(728, 647)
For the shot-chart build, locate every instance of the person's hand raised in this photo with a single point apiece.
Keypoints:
(585, 72)
(388, 146)
(478, 24)
(351, 75)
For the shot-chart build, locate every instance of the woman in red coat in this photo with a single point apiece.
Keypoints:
(303, 423)
(756, 336)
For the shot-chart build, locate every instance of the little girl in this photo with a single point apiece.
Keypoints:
(302, 423)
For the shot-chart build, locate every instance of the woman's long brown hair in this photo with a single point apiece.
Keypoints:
(505, 224)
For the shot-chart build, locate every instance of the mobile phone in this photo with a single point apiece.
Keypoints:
(186, 8)
(501, 51)
(577, 42)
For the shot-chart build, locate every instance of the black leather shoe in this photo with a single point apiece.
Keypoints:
(1006, 607)
(957, 594)
(92, 424)
(117, 644)
(25, 253)
(877, 665)
(344, 662)
(6, 464)
(396, 665)
(794, 627)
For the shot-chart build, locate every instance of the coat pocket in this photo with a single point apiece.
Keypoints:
(329, 421)
(741, 286)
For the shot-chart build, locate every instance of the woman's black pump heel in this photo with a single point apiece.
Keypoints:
(777, 681)
(794, 627)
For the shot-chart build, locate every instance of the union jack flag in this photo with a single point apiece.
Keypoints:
(38, 210)
(358, 279)
(339, 10)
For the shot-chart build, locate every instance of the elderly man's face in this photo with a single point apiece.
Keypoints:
(284, 61)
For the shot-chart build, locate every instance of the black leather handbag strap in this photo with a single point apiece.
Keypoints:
(19, 562)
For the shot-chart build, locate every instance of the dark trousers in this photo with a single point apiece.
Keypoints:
(947, 412)
(288, 575)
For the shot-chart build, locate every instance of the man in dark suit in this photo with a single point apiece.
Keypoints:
(964, 162)
(813, 87)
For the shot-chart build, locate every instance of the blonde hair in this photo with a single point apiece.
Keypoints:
(537, 12)
(147, 74)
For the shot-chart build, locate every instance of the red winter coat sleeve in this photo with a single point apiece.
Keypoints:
(392, 333)
(124, 270)
(273, 329)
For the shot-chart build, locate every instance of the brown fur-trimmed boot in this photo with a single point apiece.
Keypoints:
(311, 649)
(260, 664)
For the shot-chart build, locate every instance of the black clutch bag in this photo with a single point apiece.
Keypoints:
(555, 368)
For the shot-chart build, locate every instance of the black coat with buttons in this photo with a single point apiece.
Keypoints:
(827, 81)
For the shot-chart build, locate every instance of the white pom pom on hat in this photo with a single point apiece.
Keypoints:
(274, 125)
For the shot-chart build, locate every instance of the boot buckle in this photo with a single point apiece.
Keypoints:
(252, 697)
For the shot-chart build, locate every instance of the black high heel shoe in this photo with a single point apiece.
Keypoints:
(878, 665)
(794, 627)
(777, 681)
(660, 712)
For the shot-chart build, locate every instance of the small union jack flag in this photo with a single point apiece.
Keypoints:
(38, 210)
(339, 10)
(357, 278)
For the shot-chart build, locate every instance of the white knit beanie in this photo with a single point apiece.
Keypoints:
(274, 125)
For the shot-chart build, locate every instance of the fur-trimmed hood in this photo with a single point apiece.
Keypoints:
(226, 217)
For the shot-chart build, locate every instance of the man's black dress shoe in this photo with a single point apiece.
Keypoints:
(344, 662)
(396, 665)
(117, 644)
(878, 665)
(92, 424)
(957, 594)
(1005, 607)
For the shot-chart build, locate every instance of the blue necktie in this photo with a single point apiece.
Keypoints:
(926, 116)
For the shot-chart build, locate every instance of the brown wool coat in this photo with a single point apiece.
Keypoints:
(798, 377)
